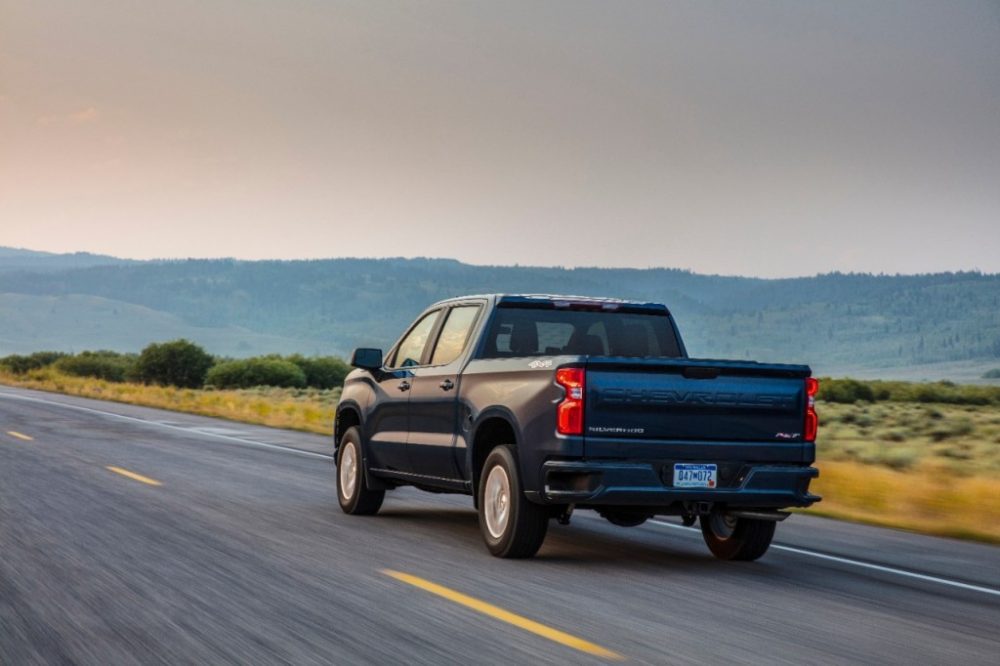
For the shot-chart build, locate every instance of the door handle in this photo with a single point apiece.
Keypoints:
(447, 385)
(404, 385)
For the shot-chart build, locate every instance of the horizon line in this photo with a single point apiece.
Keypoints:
(48, 253)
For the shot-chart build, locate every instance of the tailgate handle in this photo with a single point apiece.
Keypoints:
(701, 373)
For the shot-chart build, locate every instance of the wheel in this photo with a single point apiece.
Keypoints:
(512, 526)
(731, 538)
(355, 497)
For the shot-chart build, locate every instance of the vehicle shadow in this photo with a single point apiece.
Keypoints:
(585, 541)
(454, 525)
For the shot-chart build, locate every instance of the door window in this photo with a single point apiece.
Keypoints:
(411, 349)
(454, 334)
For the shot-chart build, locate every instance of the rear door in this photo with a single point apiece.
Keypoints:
(388, 420)
(434, 395)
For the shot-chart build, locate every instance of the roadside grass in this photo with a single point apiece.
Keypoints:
(926, 467)
(950, 440)
(310, 410)
(925, 500)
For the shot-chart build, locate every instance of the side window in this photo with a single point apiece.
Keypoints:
(411, 349)
(454, 334)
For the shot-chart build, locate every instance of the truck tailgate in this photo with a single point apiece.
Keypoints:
(648, 403)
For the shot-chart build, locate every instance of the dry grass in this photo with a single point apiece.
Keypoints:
(926, 500)
(929, 468)
(310, 410)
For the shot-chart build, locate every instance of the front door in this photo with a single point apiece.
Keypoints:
(434, 397)
(388, 421)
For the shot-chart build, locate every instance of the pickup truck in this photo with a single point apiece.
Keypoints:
(537, 405)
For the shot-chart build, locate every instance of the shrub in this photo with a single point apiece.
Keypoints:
(900, 458)
(322, 372)
(952, 428)
(251, 372)
(992, 374)
(108, 365)
(176, 363)
(20, 365)
(845, 391)
(852, 390)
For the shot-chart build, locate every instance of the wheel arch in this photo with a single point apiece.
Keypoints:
(348, 416)
(493, 427)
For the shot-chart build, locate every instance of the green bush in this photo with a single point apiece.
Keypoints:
(108, 365)
(260, 371)
(176, 363)
(992, 374)
(852, 390)
(322, 372)
(20, 365)
(846, 391)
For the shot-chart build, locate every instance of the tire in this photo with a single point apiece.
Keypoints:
(512, 526)
(741, 539)
(353, 493)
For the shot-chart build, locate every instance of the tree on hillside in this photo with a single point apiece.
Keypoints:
(176, 363)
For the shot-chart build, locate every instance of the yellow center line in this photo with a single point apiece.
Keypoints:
(506, 616)
(133, 475)
(21, 436)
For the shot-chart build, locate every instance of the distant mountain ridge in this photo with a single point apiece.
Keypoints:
(14, 258)
(839, 323)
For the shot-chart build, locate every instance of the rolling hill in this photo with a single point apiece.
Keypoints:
(919, 326)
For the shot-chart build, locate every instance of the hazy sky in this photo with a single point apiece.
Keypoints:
(755, 138)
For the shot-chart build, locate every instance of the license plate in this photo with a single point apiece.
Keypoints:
(695, 476)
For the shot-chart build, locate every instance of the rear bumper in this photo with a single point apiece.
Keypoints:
(647, 484)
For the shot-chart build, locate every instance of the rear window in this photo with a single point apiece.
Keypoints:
(540, 332)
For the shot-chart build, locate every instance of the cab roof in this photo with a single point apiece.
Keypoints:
(563, 301)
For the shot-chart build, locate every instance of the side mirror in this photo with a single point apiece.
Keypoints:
(367, 358)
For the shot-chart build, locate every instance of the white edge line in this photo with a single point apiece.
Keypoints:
(189, 431)
(859, 563)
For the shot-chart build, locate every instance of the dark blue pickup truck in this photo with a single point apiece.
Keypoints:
(539, 405)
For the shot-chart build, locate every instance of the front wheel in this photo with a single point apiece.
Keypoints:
(731, 538)
(355, 497)
(512, 526)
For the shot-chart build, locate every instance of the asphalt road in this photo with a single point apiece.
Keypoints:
(241, 555)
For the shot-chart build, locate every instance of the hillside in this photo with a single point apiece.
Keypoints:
(948, 324)
(19, 259)
(76, 322)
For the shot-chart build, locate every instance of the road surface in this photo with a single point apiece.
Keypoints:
(134, 535)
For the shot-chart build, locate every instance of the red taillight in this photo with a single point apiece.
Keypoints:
(569, 413)
(812, 420)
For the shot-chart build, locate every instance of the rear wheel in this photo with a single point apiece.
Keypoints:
(352, 491)
(731, 538)
(512, 526)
